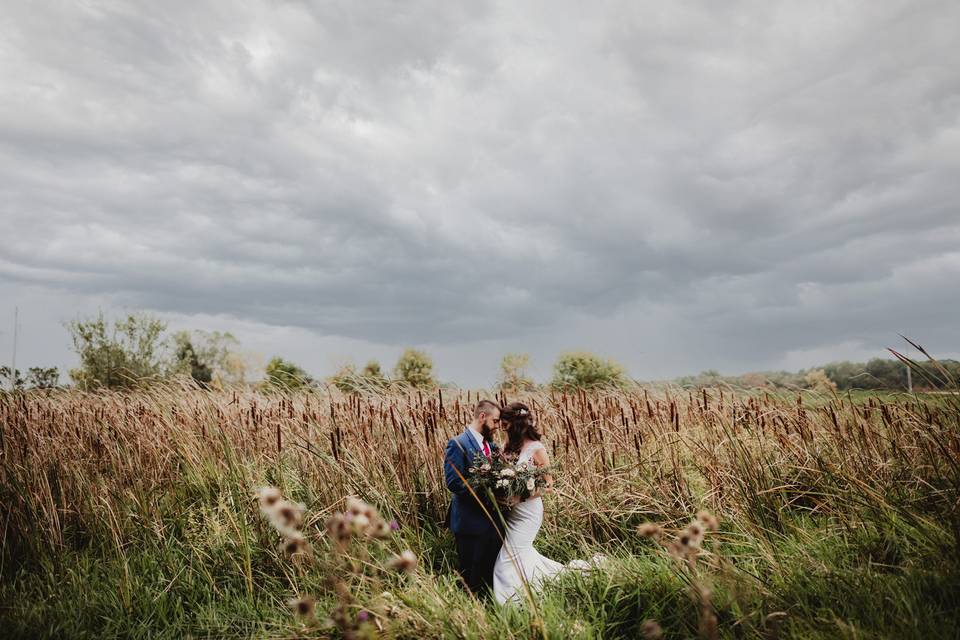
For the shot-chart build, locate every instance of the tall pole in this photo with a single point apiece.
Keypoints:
(13, 365)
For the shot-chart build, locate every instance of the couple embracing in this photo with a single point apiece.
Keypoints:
(493, 556)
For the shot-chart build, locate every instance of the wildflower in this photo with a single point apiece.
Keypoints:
(695, 529)
(485, 467)
(394, 525)
(651, 630)
(304, 606)
(288, 515)
(531, 484)
(355, 506)
(269, 497)
(649, 530)
(381, 530)
(360, 523)
(405, 562)
(338, 526)
(294, 545)
(708, 520)
(363, 616)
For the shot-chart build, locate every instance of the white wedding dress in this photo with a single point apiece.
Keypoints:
(517, 554)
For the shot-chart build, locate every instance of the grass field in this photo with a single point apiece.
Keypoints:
(133, 515)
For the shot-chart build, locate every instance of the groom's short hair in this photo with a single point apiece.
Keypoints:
(485, 406)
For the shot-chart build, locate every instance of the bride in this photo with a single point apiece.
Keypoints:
(518, 561)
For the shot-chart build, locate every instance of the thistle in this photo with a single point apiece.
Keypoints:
(303, 607)
(651, 630)
(405, 562)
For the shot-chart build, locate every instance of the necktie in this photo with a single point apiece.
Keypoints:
(486, 449)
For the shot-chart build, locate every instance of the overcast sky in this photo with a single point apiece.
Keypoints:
(675, 185)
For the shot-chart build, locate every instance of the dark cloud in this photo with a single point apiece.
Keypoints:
(744, 183)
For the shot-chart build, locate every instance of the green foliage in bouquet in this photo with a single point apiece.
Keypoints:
(502, 478)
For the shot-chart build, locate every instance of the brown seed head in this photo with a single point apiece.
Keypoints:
(651, 630)
(405, 562)
(269, 497)
(304, 606)
(708, 520)
(649, 530)
(294, 545)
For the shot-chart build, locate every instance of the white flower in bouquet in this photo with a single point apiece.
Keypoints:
(521, 467)
(531, 484)
(485, 466)
(507, 473)
(503, 483)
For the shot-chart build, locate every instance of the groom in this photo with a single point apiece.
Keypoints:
(478, 542)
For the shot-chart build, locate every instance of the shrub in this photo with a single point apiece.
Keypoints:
(583, 369)
(513, 373)
(286, 375)
(416, 369)
(117, 356)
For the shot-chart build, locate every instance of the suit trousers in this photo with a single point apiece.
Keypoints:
(478, 555)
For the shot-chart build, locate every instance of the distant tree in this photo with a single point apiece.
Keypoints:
(349, 380)
(205, 355)
(416, 369)
(373, 375)
(346, 379)
(513, 373)
(286, 375)
(708, 378)
(11, 378)
(43, 377)
(117, 356)
(583, 369)
(37, 378)
(187, 361)
(817, 380)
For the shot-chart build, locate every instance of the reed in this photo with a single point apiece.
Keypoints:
(171, 469)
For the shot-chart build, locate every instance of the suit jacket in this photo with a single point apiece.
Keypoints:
(465, 515)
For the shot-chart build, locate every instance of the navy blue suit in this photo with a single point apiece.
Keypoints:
(478, 542)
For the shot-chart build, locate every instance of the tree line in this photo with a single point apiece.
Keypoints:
(877, 374)
(136, 350)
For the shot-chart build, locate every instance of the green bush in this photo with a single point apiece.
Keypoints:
(286, 375)
(581, 369)
(117, 356)
(513, 373)
(416, 369)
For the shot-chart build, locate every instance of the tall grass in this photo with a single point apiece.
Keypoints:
(131, 514)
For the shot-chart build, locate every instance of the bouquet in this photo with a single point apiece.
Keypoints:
(505, 479)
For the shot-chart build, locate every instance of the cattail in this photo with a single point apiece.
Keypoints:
(651, 630)
(405, 562)
(304, 606)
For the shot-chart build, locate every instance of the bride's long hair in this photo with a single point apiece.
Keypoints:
(519, 427)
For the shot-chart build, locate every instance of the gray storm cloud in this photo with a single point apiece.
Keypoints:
(736, 181)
